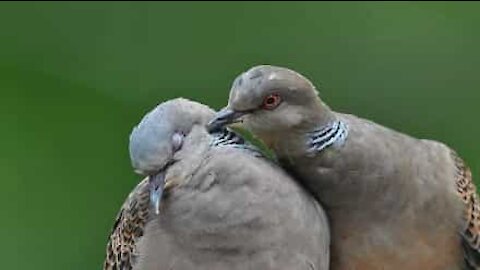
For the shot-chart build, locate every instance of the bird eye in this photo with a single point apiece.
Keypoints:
(177, 140)
(271, 101)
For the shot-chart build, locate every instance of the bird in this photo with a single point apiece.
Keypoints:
(211, 202)
(394, 201)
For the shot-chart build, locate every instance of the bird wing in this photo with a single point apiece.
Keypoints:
(471, 232)
(128, 229)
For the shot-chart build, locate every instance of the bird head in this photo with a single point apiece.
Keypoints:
(268, 100)
(156, 142)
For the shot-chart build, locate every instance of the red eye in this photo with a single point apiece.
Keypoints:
(271, 101)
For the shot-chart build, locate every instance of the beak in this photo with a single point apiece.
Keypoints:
(224, 117)
(157, 184)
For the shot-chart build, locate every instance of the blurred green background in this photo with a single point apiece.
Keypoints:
(76, 77)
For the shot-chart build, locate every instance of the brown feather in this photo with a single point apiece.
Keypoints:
(128, 229)
(471, 232)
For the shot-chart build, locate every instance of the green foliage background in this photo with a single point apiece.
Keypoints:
(76, 77)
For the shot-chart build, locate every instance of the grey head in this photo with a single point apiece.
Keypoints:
(161, 132)
(159, 136)
(269, 99)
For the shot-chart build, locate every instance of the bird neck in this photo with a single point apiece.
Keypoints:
(316, 114)
(192, 153)
(320, 130)
(228, 138)
(333, 133)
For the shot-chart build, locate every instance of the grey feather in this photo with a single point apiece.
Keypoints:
(154, 139)
(229, 208)
(393, 200)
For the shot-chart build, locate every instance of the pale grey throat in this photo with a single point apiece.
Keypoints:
(332, 134)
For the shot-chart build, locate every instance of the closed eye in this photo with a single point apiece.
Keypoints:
(177, 141)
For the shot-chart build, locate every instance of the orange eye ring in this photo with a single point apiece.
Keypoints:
(271, 101)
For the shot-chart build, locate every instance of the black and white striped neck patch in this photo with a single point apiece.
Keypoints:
(228, 138)
(334, 133)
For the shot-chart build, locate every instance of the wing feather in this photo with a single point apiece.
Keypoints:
(128, 229)
(471, 232)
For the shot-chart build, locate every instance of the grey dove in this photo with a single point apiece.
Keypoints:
(211, 202)
(393, 201)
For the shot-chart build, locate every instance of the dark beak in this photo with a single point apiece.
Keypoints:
(223, 118)
(157, 183)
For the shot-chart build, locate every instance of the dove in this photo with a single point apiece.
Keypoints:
(211, 202)
(394, 201)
